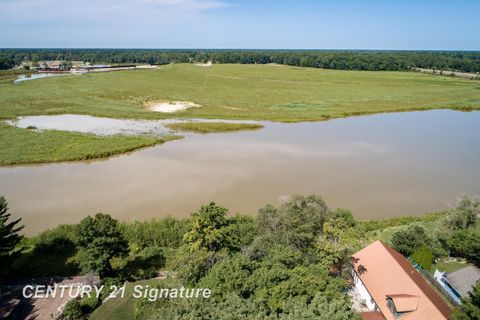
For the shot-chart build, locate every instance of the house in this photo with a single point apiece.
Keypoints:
(459, 283)
(391, 288)
(53, 66)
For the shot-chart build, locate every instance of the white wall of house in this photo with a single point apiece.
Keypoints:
(362, 290)
(441, 279)
(439, 276)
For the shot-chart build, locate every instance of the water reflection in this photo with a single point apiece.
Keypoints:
(378, 166)
(33, 76)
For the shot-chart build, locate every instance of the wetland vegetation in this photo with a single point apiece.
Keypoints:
(209, 127)
(27, 146)
(250, 92)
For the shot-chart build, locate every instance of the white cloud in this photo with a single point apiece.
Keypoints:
(72, 5)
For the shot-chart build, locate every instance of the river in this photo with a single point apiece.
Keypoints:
(378, 166)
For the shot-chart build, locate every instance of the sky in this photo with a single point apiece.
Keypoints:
(301, 24)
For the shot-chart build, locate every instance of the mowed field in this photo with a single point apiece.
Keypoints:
(259, 92)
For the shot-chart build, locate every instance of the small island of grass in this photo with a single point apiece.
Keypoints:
(208, 127)
(27, 146)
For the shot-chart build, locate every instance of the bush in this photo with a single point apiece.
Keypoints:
(88, 304)
(424, 258)
(165, 232)
(73, 310)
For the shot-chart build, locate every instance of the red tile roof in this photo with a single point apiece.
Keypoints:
(386, 273)
(374, 315)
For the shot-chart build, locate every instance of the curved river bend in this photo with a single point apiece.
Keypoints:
(378, 166)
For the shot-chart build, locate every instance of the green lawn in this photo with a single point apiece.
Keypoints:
(260, 92)
(117, 308)
(121, 308)
(449, 266)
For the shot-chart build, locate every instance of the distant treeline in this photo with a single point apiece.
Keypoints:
(464, 61)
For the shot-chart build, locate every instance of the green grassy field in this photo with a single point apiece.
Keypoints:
(208, 127)
(260, 92)
(266, 92)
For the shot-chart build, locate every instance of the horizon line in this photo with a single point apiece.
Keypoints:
(236, 49)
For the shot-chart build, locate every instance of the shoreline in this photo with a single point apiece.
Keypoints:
(105, 156)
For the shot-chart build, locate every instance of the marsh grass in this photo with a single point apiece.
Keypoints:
(25, 146)
(255, 92)
(209, 127)
(259, 92)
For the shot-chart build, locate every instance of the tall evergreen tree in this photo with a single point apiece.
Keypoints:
(9, 231)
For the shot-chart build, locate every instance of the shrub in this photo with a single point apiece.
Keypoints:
(73, 310)
(424, 257)
(88, 304)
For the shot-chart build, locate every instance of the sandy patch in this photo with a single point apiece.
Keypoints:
(205, 65)
(233, 108)
(170, 107)
(229, 77)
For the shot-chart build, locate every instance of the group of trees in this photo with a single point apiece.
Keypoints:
(466, 61)
(284, 264)
(6, 63)
(288, 262)
(457, 235)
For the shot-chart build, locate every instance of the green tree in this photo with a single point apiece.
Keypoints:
(296, 222)
(470, 308)
(322, 309)
(211, 230)
(466, 244)
(408, 240)
(465, 215)
(232, 274)
(100, 240)
(9, 232)
(338, 238)
(192, 266)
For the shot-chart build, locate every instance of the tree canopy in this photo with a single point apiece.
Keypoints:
(100, 239)
(411, 238)
(210, 229)
(372, 60)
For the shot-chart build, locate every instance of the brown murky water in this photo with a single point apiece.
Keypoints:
(377, 166)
